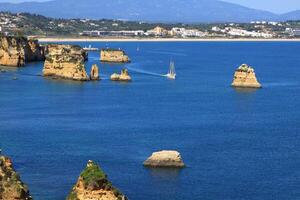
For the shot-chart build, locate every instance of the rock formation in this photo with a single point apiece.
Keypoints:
(16, 51)
(11, 186)
(245, 77)
(93, 184)
(33, 51)
(114, 55)
(95, 72)
(124, 76)
(65, 61)
(165, 159)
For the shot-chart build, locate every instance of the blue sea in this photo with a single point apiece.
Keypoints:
(238, 144)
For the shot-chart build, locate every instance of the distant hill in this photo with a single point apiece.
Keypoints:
(187, 11)
(295, 15)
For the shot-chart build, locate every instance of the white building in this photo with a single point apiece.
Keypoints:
(182, 32)
(245, 33)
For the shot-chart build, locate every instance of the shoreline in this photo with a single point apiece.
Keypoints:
(61, 39)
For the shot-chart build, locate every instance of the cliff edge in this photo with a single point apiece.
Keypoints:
(93, 184)
(11, 186)
(16, 51)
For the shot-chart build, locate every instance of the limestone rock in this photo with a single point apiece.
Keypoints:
(165, 159)
(245, 76)
(114, 55)
(65, 61)
(11, 186)
(93, 184)
(15, 51)
(95, 72)
(33, 51)
(124, 76)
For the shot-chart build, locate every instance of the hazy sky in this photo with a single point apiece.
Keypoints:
(277, 6)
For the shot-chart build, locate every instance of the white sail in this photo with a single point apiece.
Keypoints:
(172, 72)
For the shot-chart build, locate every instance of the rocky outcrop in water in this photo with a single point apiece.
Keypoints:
(33, 51)
(245, 77)
(95, 73)
(11, 186)
(114, 55)
(16, 51)
(165, 159)
(124, 76)
(65, 61)
(93, 184)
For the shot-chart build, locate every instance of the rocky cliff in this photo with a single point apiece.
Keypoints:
(93, 184)
(16, 51)
(11, 186)
(245, 76)
(113, 55)
(65, 61)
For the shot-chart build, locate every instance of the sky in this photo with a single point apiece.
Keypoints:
(277, 6)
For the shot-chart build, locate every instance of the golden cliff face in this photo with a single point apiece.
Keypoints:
(65, 61)
(16, 51)
(93, 185)
(12, 52)
(11, 187)
(245, 77)
(33, 51)
(111, 55)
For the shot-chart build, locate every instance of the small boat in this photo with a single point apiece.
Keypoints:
(172, 72)
(90, 48)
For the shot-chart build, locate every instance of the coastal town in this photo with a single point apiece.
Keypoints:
(40, 26)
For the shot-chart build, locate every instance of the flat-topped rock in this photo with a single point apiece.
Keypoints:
(11, 186)
(114, 55)
(245, 77)
(165, 159)
(93, 184)
(65, 61)
(124, 76)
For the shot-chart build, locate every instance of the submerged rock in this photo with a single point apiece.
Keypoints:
(93, 184)
(95, 72)
(65, 61)
(15, 51)
(245, 76)
(11, 186)
(165, 159)
(114, 55)
(124, 76)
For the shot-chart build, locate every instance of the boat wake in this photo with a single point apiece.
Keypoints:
(141, 71)
(282, 84)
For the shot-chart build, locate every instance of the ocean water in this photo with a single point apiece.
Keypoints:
(237, 143)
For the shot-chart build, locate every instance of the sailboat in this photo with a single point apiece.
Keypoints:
(172, 72)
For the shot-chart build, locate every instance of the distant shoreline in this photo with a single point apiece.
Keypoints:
(61, 39)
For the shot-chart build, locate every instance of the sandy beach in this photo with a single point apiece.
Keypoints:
(61, 39)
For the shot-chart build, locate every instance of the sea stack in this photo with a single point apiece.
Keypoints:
(124, 76)
(95, 73)
(11, 186)
(65, 61)
(171, 159)
(245, 77)
(93, 184)
(16, 51)
(114, 56)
